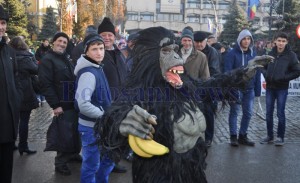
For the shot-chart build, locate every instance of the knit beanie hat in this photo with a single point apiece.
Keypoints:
(200, 35)
(187, 33)
(60, 34)
(91, 38)
(106, 26)
(3, 14)
(90, 29)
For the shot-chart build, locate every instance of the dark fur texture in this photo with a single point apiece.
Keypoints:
(166, 102)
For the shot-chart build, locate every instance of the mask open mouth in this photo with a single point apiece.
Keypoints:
(172, 76)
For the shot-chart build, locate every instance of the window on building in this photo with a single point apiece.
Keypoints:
(242, 4)
(176, 17)
(158, 7)
(163, 17)
(193, 4)
(193, 18)
(146, 16)
(207, 4)
(206, 18)
(223, 5)
(132, 15)
(169, 17)
(265, 7)
(256, 21)
(221, 20)
(181, 8)
(266, 21)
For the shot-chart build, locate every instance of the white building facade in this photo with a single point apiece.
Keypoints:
(177, 14)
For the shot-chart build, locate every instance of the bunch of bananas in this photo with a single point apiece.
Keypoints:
(146, 148)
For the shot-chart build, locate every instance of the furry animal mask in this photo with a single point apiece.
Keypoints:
(156, 58)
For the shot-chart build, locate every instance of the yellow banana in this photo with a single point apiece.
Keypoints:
(136, 149)
(151, 147)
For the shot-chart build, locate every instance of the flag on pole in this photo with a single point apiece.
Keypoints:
(69, 9)
(252, 5)
(209, 24)
(74, 11)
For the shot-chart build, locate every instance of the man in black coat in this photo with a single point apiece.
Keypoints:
(39, 54)
(10, 100)
(278, 74)
(212, 55)
(42, 50)
(56, 75)
(114, 67)
(78, 49)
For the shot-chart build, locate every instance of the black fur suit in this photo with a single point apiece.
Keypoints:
(147, 88)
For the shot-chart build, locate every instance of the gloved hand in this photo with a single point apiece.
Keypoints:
(256, 62)
(138, 122)
(260, 61)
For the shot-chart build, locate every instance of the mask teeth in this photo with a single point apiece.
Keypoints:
(176, 71)
(178, 86)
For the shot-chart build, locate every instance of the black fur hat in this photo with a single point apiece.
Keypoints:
(106, 26)
(60, 34)
(3, 14)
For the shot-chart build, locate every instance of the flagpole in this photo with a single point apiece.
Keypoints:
(216, 18)
(282, 9)
(270, 19)
(61, 18)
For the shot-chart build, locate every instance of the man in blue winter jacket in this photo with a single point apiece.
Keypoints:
(236, 58)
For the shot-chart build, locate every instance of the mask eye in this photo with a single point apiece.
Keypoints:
(176, 48)
(166, 50)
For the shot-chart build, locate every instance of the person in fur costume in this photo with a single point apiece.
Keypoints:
(162, 103)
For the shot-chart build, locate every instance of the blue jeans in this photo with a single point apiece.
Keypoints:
(280, 96)
(93, 170)
(247, 99)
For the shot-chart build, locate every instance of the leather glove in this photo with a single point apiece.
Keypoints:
(138, 122)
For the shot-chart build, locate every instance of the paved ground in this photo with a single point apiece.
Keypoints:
(226, 164)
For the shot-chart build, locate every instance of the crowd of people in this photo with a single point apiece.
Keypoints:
(99, 68)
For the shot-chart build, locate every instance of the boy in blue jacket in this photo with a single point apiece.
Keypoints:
(92, 99)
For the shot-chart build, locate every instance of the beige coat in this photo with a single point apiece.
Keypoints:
(196, 65)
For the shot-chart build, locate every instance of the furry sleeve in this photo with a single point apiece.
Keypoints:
(220, 87)
(107, 127)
